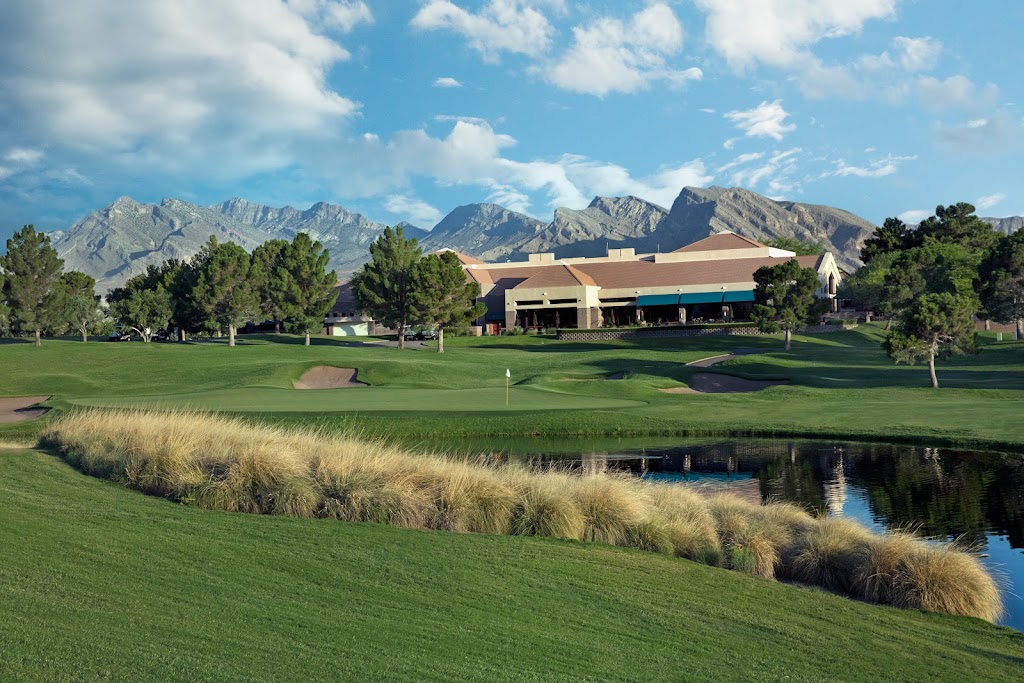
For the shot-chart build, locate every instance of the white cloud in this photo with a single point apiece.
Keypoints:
(730, 143)
(447, 82)
(991, 136)
(474, 154)
(347, 15)
(611, 55)
(5, 173)
(988, 201)
(776, 173)
(740, 161)
(780, 32)
(957, 92)
(765, 120)
(878, 168)
(917, 54)
(500, 26)
(24, 155)
(414, 210)
(914, 216)
(175, 84)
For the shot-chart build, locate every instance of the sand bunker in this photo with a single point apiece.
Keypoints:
(18, 409)
(328, 377)
(714, 383)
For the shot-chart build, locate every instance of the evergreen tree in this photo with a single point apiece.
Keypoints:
(269, 261)
(225, 288)
(933, 326)
(1001, 281)
(5, 312)
(308, 289)
(33, 288)
(784, 298)
(384, 286)
(442, 296)
(893, 236)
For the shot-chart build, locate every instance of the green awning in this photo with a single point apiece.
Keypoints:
(657, 300)
(728, 297)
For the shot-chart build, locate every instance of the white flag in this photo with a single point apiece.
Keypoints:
(507, 373)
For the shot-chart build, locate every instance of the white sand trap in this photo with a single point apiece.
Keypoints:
(328, 377)
(714, 383)
(19, 410)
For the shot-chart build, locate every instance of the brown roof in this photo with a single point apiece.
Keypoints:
(625, 274)
(722, 240)
(463, 258)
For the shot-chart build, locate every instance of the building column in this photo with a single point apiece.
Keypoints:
(510, 319)
(583, 318)
(682, 315)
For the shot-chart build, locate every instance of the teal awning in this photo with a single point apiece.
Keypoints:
(657, 300)
(728, 296)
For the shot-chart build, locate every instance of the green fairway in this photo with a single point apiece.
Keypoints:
(261, 399)
(101, 583)
(839, 384)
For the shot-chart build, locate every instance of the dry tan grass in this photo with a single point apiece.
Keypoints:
(229, 464)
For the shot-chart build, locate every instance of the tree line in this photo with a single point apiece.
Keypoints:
(221, 286)
(933, 280)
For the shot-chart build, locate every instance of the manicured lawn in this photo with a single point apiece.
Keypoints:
(101, 583)
(840, 384)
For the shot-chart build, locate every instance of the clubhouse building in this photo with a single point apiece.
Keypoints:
(711, 280)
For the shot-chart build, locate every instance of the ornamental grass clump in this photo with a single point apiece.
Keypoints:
(229, 464)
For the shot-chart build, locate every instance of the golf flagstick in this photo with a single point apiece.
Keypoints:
(508, 374)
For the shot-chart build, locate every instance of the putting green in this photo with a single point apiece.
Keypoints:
(368, 399)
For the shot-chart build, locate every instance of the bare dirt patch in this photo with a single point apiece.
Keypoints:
(19, 409)
(714, 383)
(328, 377)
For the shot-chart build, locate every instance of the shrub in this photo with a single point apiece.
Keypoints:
(228, 464)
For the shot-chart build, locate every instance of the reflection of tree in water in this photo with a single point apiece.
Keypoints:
(795, 477)
(943, 493)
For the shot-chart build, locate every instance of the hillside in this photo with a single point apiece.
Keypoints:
(119, 241)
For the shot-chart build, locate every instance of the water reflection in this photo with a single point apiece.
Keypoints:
(941, 493)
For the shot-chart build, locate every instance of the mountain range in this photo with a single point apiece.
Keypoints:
(119, 241)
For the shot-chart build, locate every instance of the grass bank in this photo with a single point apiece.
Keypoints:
(101, 583)
(230, 465)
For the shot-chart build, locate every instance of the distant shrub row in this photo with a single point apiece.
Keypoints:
(228, 464)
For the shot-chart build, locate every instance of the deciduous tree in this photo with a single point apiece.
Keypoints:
(81, 305)
(384, 287)
(784, 298)
(33, 287)
(933, 326)
(143, 310)
(442, 296)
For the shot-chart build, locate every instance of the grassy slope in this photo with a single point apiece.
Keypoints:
(841, 384)
(103, 583)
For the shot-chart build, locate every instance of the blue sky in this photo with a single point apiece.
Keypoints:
(405, 109)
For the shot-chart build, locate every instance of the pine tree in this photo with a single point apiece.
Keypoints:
(269, 261)
(33, 281)
(934, 326)
(308, 289)
(384, 286)
(225, 289)
(442, 296)
(785, 298)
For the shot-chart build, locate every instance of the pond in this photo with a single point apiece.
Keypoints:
(976, 497)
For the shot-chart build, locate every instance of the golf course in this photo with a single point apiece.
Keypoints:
(106, 583)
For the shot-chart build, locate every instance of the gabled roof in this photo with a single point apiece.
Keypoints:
(463, 258)
(722, 240)
(560, 275)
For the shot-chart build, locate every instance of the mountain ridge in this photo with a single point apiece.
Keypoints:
(120, 240)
